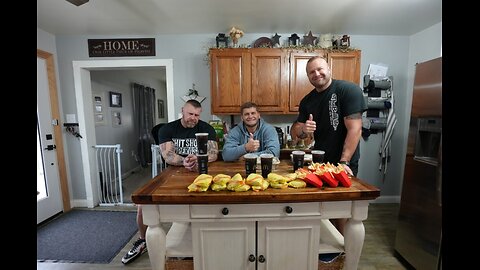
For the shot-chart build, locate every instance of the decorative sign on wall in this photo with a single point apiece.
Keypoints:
(121, 47)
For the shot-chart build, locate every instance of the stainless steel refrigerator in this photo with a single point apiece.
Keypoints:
(419, 230)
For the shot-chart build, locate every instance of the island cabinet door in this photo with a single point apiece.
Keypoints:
(224, 245)
(288, 244)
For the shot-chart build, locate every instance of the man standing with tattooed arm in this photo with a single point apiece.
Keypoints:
(333, 113)
(178, 146)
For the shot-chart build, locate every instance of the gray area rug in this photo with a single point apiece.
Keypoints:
(85, 236)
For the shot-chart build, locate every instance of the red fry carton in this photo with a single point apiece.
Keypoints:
(329, 179)
(313, 180)
(342, 177)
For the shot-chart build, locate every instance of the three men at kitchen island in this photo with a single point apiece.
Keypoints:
(332, 111)
(176, 140)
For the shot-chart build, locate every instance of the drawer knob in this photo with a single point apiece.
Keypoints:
(261, 259)
(251, 258)
(288, 209)
(225, 211)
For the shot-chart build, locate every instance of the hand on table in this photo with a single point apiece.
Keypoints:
(190, 162)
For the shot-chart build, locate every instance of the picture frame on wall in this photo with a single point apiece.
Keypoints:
(161, 108)
(98, 109)
(116, 118)
(115, 99)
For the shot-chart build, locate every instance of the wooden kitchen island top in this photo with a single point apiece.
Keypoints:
(170, 187)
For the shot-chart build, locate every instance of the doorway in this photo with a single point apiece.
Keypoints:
(52, 188)
(83, 93)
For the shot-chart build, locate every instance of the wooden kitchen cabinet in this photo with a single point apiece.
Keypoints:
(273, 78)
(256, 245)
(345, 65)
(230, 79)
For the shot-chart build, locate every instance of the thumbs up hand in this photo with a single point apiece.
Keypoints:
(310, 125)
(252, 145)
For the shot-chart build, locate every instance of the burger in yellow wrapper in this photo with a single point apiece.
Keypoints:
(201, 183)
(237, 183)
(220, 182)
(257, 182)
(277, 181)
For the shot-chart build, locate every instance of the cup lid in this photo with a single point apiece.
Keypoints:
(266, 156)
(201, 134)
(296, 152)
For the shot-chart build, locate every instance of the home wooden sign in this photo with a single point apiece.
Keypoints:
(121, 47)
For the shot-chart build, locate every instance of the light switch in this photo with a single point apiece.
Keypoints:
(71, 118)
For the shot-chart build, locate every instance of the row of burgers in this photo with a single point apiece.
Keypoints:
(317, 174)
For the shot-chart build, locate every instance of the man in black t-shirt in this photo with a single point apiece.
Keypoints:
(177, 140)
(178, 146)
(333, 113)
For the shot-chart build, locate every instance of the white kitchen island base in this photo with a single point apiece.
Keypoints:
(271, 236)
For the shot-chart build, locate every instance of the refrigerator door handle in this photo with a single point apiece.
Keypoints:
(439, 174)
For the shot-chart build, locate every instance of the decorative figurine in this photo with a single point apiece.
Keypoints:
(345, 41)
(276, 40)
(309, 39)
(222, 40)
(235, 34)
(292, 40)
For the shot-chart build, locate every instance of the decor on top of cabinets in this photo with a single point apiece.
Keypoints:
(235, 34)
(325, 41)
(263, 42)
(309, 39)
(276, 41)
(222, 40)
(292, 40)
(115, 99)
(193, 94)
(345, 41)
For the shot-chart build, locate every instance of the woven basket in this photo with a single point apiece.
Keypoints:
(335, 264)
(175, 264)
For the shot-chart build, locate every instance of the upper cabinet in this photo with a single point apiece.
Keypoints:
(274, 79)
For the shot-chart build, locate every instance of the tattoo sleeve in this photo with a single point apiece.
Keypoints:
(212, 147)
(168, 153)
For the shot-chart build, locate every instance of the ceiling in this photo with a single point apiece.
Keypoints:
(156, 17)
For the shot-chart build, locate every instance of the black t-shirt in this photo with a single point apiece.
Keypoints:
(328, 108)
(184, 138)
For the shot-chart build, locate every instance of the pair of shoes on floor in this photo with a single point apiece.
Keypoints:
(139, 247)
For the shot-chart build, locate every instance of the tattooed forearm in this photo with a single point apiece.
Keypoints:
(168, 153)
(212, 147)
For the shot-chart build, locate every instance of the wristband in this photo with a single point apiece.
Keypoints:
(344, 162)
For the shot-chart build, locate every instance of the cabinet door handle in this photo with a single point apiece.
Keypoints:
(251, 258)
(225, 211)
(288, 209)
(261, 259)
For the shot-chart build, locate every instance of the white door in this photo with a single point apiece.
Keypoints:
(49, 201)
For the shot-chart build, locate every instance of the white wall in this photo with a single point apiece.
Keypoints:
(189, 54)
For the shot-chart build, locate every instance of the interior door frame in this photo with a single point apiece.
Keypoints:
(57, 129)
(83, 97)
